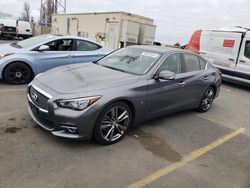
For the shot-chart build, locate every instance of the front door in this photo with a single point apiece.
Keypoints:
(243, 65)
(60, 53)
(166, 95)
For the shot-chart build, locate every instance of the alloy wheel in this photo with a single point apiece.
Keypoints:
(17, 73)
(207, 99)
(114, 123)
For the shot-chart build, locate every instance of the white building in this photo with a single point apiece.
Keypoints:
(112, 29)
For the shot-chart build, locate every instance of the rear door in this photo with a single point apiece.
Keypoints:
(86, 51)
(60, 53)
(195, 79)
(24, 28)
(243, 65)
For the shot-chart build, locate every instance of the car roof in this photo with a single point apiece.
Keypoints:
(58, 36)
(159, 49)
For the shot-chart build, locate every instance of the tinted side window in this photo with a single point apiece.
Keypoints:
(191, 62)
(247, 49)
(171, 63)
(83, 45)
(61, 45)
(202, 64)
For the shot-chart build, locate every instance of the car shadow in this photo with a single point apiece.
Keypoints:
(2, 82)
(236, 85)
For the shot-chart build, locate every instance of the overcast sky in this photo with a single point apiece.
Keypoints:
(176, 19)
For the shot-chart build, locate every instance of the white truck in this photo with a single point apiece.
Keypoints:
(227, 49)
(15, 28)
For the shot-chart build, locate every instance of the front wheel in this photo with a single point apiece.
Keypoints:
(207, 100)
(17, 73)
(113, 123)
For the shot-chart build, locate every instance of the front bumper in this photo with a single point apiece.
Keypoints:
(64, 122)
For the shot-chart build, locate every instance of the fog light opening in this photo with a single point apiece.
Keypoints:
(70, 129)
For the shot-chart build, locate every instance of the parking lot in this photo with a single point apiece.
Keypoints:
(187, 149)
(32, 157)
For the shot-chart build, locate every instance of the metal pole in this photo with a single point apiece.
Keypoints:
(55, 4)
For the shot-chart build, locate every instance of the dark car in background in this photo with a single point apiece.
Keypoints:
(104, 99)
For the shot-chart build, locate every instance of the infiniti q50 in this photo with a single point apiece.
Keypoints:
(103, 99)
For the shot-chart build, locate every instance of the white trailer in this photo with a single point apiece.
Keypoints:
(147, 34)
(129, 33)
(112, 29)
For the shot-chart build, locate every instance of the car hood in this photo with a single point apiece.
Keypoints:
(84, 78)
(6, 48)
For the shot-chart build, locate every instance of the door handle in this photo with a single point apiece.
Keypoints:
(182, 83)
(242, 61)
(205, 78)
(230, 59)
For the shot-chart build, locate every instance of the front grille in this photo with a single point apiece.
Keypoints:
(39, 99)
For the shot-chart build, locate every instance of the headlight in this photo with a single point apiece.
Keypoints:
(2, 55)
(77, 104)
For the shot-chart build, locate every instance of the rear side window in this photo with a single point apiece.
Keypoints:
(191, 62)
(202, 64)
(247, 50)
(83, 45)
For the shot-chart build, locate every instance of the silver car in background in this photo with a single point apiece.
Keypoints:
(23, 60)
(105, 98)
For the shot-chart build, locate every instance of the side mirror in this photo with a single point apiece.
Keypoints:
(165, 75)
(43, 48)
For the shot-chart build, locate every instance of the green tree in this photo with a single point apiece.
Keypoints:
(177, 45)
(25, 16)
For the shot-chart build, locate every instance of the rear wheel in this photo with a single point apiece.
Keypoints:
(113, 123)
(207, 100)
(17, 73)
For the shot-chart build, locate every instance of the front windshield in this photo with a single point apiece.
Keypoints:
(131, 60)
(33, 41)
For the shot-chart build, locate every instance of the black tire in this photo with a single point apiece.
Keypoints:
(207, 100)
(118, 131)
(17, 73)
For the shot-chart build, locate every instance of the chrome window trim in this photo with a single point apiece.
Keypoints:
(41, 91)
(206, 66)
(205, 61)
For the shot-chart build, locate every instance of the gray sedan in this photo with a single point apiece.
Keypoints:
(104, 99)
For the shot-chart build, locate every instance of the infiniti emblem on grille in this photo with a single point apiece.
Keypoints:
(34, 96)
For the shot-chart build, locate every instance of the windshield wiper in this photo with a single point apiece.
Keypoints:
(114, 68)
(14, 44)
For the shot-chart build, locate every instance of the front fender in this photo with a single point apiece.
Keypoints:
(29, 60)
